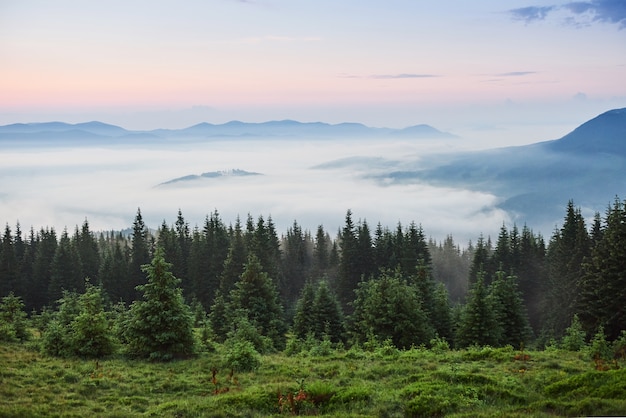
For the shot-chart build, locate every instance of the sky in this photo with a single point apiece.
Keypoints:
(514, 71)
(492, 72)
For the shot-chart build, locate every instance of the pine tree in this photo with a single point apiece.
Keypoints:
(9, 268)
(220, 317)
(160, 326)
(91, 334)
(390, 308)
(603, 287)
(303, 320)
(140, 255)
(510, 310)
(65, 270)
(567, 251)
(235, 260)
(478, 324)
(328, 319)
(45, 249)
(256, 294)
(349, 269)
(88, 251)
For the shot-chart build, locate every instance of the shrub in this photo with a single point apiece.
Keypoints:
(12, 319)
(574, 338)
(241, 356)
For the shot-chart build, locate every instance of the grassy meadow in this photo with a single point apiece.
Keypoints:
(379, 382)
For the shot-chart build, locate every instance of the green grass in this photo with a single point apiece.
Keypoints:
(478, 382)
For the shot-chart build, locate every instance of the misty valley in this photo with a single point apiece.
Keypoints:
(311, 269)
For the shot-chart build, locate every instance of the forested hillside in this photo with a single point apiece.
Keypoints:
(360, 284)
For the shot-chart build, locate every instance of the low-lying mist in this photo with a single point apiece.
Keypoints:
(60, 187)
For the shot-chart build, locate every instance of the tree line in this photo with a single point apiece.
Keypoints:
(356, 287)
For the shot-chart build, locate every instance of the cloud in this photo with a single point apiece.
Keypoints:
(605, 11)
(577, 13)
(399, 76)
(531, 13)
(516, 73)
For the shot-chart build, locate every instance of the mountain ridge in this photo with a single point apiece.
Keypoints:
(234, 128)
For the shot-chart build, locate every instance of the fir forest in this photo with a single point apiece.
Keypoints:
(372, 320)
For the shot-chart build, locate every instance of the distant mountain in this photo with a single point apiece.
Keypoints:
(211, 174)
(535, 182)
(423, 131)
(59, 131)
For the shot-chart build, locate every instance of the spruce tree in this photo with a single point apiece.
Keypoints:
(478, 323)
(568, 249)
(65, 270)
(510, 310)
(303, 320)
(390, 308)
(256, 294)
(327, 315)
(160, 326)
(603, 287)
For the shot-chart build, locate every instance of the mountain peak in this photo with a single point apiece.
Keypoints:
(606, 133)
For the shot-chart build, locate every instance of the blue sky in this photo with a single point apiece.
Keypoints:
(485, 68)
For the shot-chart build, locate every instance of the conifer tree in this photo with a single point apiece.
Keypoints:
(88, 251)
(256, 294)
(219, 317)
(140, 255)
(389, 307)
(235, 260)
(91, 334)
(303, 320)
(478, 324)
(568, 249)
(9, 268)
(603, 287)
(349, 269)
(65, 270)
(510, 310)
(160, 326)
(328, 319)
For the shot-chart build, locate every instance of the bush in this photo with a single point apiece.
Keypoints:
(12, 319)
(241, 356)
(574, 338)
(55, 340)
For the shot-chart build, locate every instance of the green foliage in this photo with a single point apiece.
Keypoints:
(478, 321)
(390, 308)
(599, 348)
(241, 355)
(255, 294)
(574, 338)
(13, 321)
(160, 327)
(510, 310)
(91, 334)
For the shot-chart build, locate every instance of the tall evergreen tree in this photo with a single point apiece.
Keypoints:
(46, 245)
(478, 324)
(65, 270)
(510, 310)
(567, 250)
(256, 294)
(160, 326)
(602, 299)
(328, 319)
(87, 247)
(235, 260)
(303, 320)
(390, 308)
(140, 255)
(9, 268)
(349, 269)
